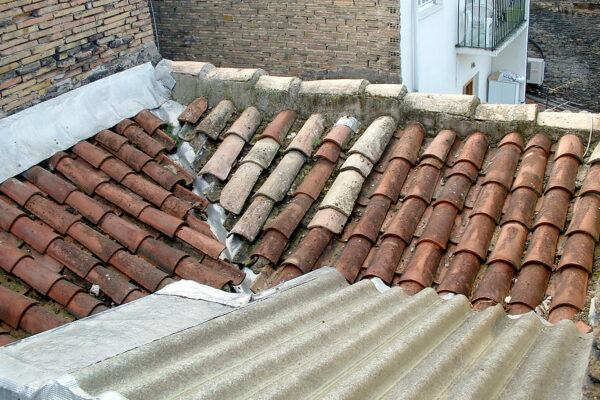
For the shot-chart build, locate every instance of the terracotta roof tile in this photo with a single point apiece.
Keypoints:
(136, 135)
(404, 222)
(460, 274)
(542, 246)
(586, 216)
(279, 127)
(13, 306)
(310, 131)
(8, 215)
(309, 250)
(78, 261)
(131, 203)
(509, 246)
(81, 174)
(439, 225)
(114, 285)
(159, 253)
(215, 121)
(39, 278)
(339, 135)
(564, 173)
(176, 207)
(221, 162)
(490, 201)
(314, 182)
(385, 259)
(188, 268)
(84, 305)
(224, 268)
(540, 141)
(462, 168)
(555, 204)
(171, 166)
(91, 209)
(139, 270)
(454, 192)
(153, 193)
(287, 221)
(393, 180)
(199, 225)
(149, 121)
(51, 213)
(531, 172)
(330, 219)
(329, 151)
(372, 218)
(10, 256)
(271, 246)
(569, 145)
(131, 156)
(359, 163)
(578, 252)
(98, 244)
(249, 225)
(161, 221)
(90, 153)
(194, 110)
(36, 234)
(246, 124)
(503, 166)
(440, 146)
(569, 292)
(474, 149)
(18, 191)
(423, 184)
(36, 319)
(494, 286)
(477, 237)
(127, 234)
(205, 244)
(421, 268)
(353, 256)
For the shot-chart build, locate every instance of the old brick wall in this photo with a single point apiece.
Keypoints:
(311, 39)
(48, 47)
(569, 34)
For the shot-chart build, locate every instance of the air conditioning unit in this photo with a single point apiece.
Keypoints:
(535, 70)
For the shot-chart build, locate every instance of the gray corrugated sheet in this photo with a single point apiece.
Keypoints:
(325, 339)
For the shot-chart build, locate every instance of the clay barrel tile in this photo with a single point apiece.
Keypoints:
(126, 233)
(82, 175)
(586, 216)
(309, 250)
(225, 268)
(279, 127)
(421, 266)
(116, 169)
(147, 144)
(530, 286)
(305, 139)
(238, 188)
(384, 262)
(139, 270)
(262, 153)
(405, 221)
(455, 192)
(191, 269)
(162, 175)
(246, 124)
(129, 202)
(372, 218)
(343, 192)
(474, 149)
(75, 259)
(393, 179)
(13, 306)
(423, 185)
(591, 183)
(194, 111)
(514, 138)
(503, 166)
(464, 168)
(555, 205)
(149, 121)
(439, 225)
(489, 201)
(161, 221)
(440, 146)
(133, 157)
(98, 244)
(207, 245)
(215, 121)
(509, 246)
(374, 139)
(18, 191)
(540, 141)
(83, 305)
(91, 209)
(110, 140)
(531, 171)
(564, 174)
(122, 126)
(152, 192)
(280, 180)
(477, 236)
(175, 168)
(113, 284)
(290, 217)
(8, 215)
(569, 145)
(63, 291)
(10, 256)
(36, 276)
(51, 213)
(220, 163)
(249, 225)
(35, 233)
(542, 246)
(37, 319)
(90, 153)
(410, 142)
(329, 151)
(55, 187)
(461, 274)
(570, 289)
(271, 246)
(314, 182)
(330, 219)
(339, 134)
(359, 163)
(57, 158)
(352, 258)
(495, 284)
(578, 252)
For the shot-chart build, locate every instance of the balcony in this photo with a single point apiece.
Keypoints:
(486, 24)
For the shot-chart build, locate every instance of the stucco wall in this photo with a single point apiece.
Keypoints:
(311, 39)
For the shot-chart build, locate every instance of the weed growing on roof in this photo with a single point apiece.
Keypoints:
(169, 131)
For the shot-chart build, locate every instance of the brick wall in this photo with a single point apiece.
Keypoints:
(569, 34)
(311, 39)
(48, 47)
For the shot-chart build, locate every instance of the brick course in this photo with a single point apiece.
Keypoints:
(49, 47)
(311, 39)
(569, 35)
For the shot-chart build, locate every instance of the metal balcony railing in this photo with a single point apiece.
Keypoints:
(485, 24)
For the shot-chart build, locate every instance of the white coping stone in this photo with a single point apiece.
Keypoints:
(277, 83)
(234, 74)
(393, 90)
(347, 87)
(191, 67)
(568, 120)
(456, 104)
(506, 112)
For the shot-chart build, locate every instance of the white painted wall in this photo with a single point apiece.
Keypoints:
(439, 69)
